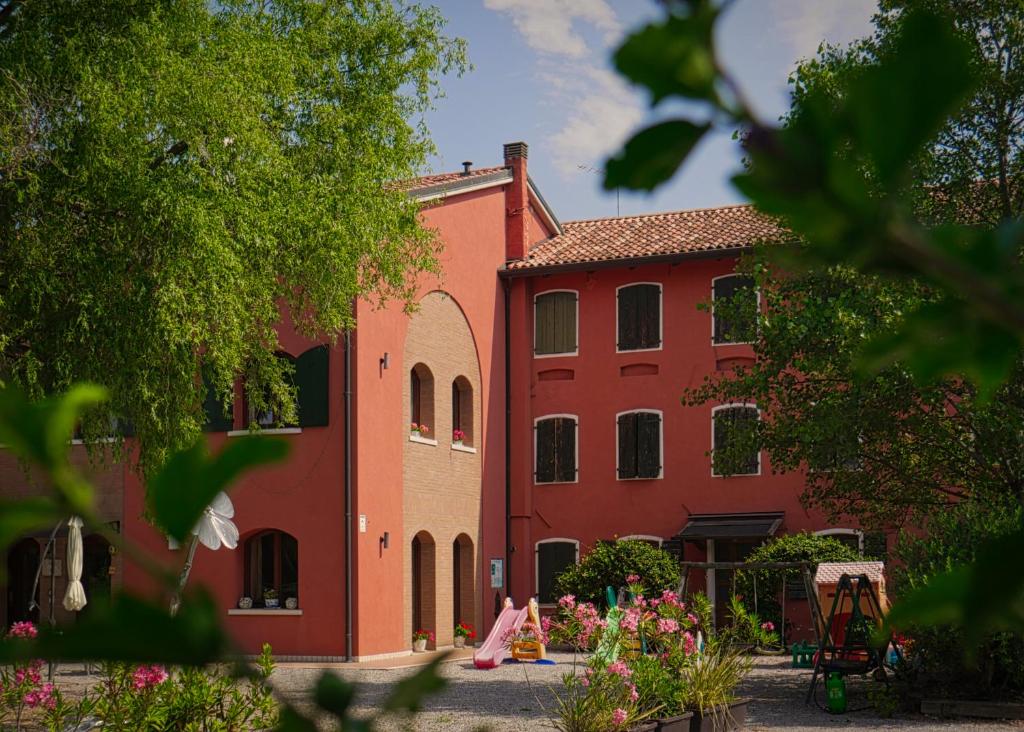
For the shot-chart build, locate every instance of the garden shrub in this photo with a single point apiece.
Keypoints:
(610, 563)
(938, 663)
(800, 547)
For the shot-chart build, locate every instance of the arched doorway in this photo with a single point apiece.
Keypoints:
(22, 563)
(463, 589)
(95, 571)
(424, 597)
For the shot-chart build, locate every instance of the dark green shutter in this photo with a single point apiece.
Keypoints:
(648, 445)
(544, 325)
(545, 468)
(553, 558)
(565, 450)
(732, 327)
(218, 417)
(651, 316)
(627, 445)
(875, 545)
(628, 309)
(312, 377)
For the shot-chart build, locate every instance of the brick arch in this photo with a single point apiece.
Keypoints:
(423, 584)
(441, 481)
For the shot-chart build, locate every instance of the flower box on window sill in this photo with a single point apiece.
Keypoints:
(417, 437)
(460, 447)
(264, 611)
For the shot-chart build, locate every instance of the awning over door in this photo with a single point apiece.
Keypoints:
(730, 526)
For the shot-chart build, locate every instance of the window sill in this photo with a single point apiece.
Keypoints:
(557, 482)
(567, 354)
(638, 350)
(269, 431)
(264, 611)
(726, 344)
(422, 440)
(463, 448)
(634, 480)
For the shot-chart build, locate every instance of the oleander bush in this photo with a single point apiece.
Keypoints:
(612, 563)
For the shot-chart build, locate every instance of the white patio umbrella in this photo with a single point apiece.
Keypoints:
(74, 596)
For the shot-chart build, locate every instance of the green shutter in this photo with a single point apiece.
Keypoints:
(553, 558)
(544, 325)
(876, 546)
(555, 323)
(627, 445)
(545, 435)
(732, 327)
(312, 379)
(218, 417)
(648, 445)
(650, 316)
(565, 450)
(628, 310)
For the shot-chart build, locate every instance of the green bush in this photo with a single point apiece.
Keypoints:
(937, 663)
(610, 563)
(801, 547)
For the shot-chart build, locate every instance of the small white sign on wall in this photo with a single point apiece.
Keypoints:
(497, 573)
(362, 523)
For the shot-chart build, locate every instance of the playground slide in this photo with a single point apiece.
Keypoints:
(493, 651)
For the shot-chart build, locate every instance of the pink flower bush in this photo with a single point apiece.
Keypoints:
(42, 696)
(24, 629)
(768, 626)
(147, 677)
(632, 579)
(667, 625)
(619, 716)
(619, 668)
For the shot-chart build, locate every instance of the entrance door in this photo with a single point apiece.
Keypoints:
(22, 563)
(728, 550)
(95, 571)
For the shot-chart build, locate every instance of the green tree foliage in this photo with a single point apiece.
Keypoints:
(840, 173)
(175, 176)
(939, 665)
(609, 563)
(800, 547)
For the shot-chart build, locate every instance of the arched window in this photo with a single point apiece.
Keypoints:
(654, 541)
(734, 440)
(462, 411)
(639, 317)
(639, 442)
(853, 538)
(554, 556)
(421, 397)
(734, 303)
(271, 568)
(556, 449)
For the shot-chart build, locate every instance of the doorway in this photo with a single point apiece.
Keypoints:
(22, 564)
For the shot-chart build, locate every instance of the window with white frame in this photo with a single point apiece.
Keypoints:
(853, 538)
(554, 556)
(555, 449)
(639, 317)
(555, 329)
(639, 444)
(734, 303)
(654, 541)
(735, 450)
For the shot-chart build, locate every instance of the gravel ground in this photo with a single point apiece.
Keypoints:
(512, 698)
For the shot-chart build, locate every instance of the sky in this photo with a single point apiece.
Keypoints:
(542, 74)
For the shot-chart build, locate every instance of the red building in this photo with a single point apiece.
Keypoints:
(542, 371)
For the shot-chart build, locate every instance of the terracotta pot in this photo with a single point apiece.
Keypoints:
(460, 641)
(419, 646)
(680, 723)
(721, 719)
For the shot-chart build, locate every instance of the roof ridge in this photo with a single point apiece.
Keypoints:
(724, 207)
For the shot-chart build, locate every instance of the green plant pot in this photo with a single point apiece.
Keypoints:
(721, 719)
(679, 723)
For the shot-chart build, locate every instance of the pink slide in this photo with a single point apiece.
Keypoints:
(493, 651)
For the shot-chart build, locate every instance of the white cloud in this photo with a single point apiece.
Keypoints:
(549, 25)
(804, 24)
(599, 120)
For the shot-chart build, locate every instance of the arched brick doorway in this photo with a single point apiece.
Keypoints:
(463, 576)
(22, 563)
(424, 585)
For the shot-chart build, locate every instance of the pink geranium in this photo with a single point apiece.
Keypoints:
(23, 629)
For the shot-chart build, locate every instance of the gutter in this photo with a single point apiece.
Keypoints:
(508, 443)
(548, 269)
(347, 480)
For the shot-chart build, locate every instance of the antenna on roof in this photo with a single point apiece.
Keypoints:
(596, 171)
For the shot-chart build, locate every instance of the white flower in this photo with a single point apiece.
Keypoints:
(228, 141)
(215, 526)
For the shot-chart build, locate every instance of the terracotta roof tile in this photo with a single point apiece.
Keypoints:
(436, 179)
(677, 232)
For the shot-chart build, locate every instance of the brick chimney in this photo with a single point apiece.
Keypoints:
(517, 203)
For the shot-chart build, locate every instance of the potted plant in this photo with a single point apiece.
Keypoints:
(708, 688)
(457, 437)
(291, 603)
(464, 632)
(418, 429)
(245, 603)
(270, 599)
(420, 639)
